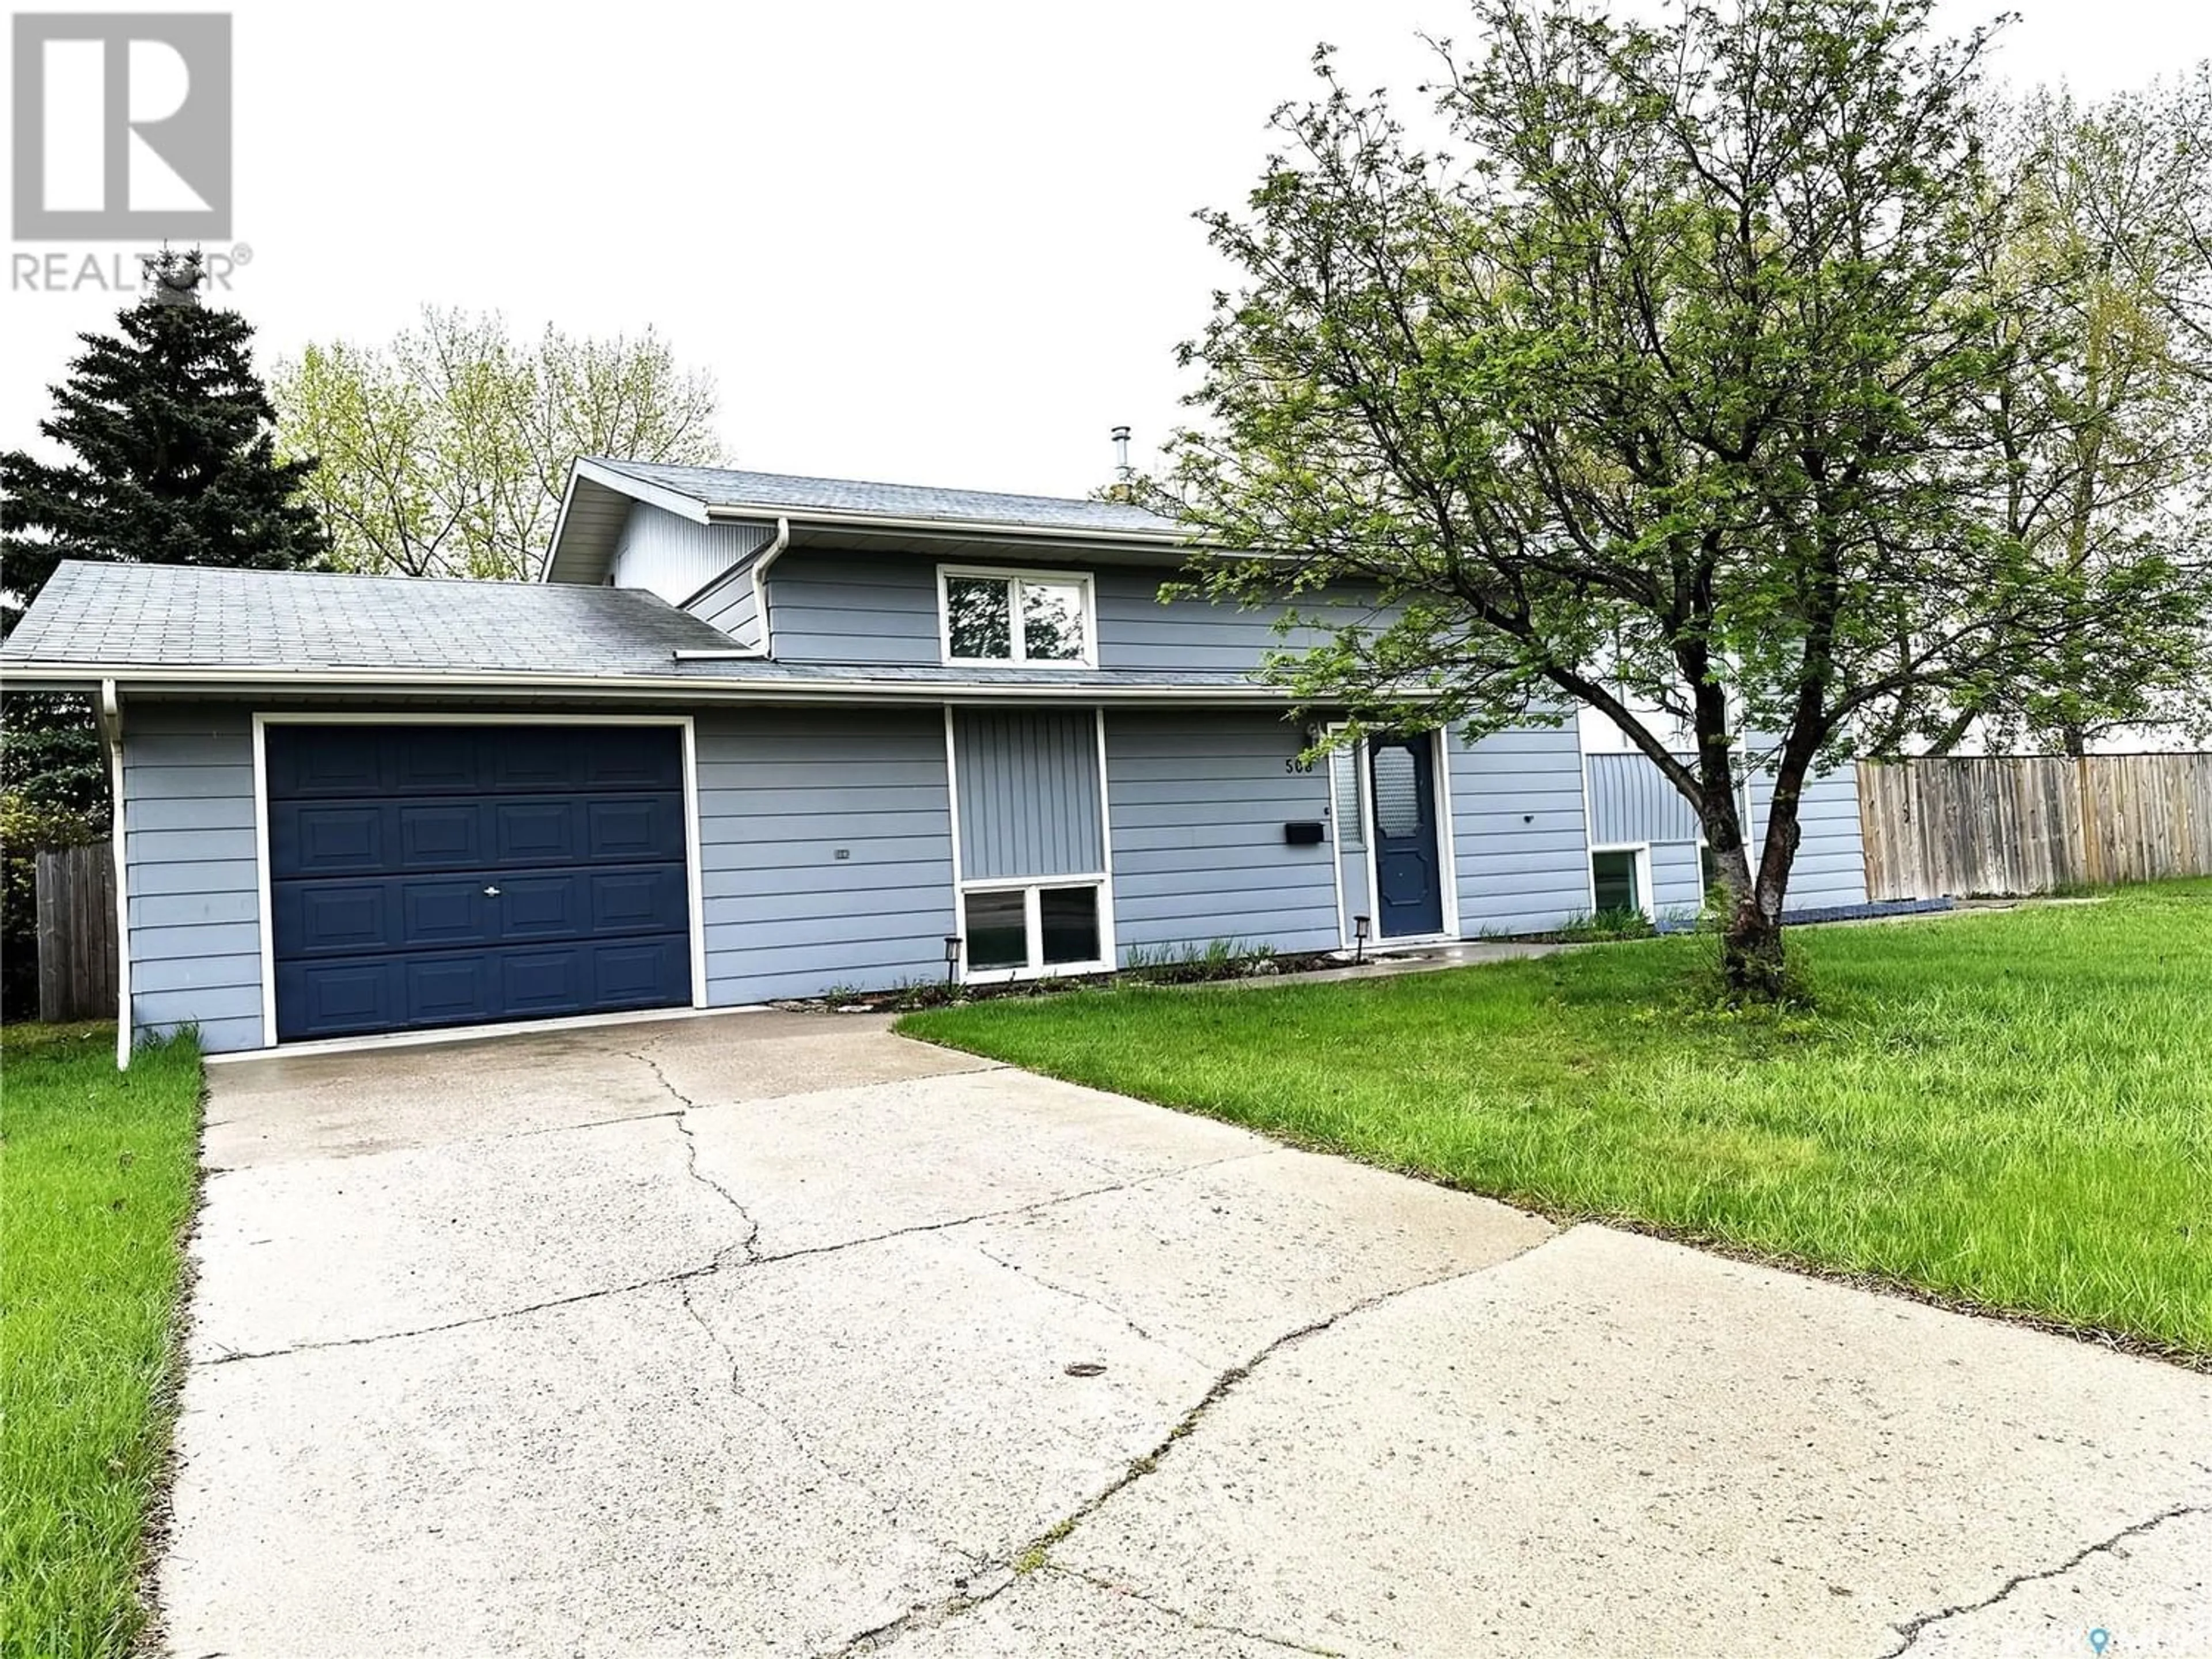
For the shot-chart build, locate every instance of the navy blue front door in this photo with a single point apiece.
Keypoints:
(1408, 875)
(450, 875)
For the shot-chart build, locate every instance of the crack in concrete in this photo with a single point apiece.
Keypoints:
(679, 1276)
(1030, 1208)
(1085, 1297)
(1190, 1619)
(1036, 1553)
(750, 1242)
(753, 1259)
(1912, 1629)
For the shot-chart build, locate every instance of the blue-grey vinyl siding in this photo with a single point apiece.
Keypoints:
(733, 604)
(781, 793)
(855, 608)
(675, 556)
(191, 872)
(1029, 792)
(1678, 884)
(1519, 838)
(1630, 800)
(1830, 867)
(1196, 801)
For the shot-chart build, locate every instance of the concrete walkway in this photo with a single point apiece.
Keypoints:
(778, 1334)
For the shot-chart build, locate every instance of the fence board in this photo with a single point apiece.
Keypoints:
(77, 932)
(2027, 823)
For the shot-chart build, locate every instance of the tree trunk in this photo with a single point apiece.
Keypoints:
(1752, 965)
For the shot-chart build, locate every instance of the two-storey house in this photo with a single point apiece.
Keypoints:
(754, 737)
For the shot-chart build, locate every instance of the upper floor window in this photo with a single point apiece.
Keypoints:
(1017, 616)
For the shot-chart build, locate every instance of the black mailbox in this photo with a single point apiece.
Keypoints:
(1303, 834)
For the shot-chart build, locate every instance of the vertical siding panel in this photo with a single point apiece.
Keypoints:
(1029, 792)
(674, 557)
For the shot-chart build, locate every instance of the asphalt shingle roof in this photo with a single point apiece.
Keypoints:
(722, 487)
(187, 616)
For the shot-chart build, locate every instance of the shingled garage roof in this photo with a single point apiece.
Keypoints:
(154, 615)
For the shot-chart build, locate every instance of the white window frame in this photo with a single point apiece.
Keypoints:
(1645, 900)
(1033, 920)
(1014, 578)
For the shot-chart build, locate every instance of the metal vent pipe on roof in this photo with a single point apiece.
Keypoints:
(1123, 472)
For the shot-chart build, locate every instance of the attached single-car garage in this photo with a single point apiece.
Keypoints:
(455, 874)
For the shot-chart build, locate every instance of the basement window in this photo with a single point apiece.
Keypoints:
(1028, 929)
(1043, 618)
(1617, 879)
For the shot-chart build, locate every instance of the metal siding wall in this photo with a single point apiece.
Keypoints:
(1029, 793)
(192, 873)
(674, 557)
(855, 607)
(1830, 867)
(1677, 879)
(734, 606)
(1197, 801)
(1630, 800)
(1518, 835)
(780, 790)
(882, 608)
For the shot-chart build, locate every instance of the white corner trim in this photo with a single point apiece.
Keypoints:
(265, 916)
(110, 711)
(1447, 839)
(1109, 946)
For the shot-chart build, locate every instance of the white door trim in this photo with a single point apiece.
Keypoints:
(695, 899)
(1447, 869)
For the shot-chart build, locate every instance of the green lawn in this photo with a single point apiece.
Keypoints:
(98, 1171)
(2012, 1109)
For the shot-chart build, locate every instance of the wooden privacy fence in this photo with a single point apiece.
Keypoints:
(77, 932)
(2027, 823)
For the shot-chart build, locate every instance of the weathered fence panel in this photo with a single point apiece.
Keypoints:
(77, 932)
(2027, 823)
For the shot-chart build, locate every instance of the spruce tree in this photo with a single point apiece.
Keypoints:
(171, 460)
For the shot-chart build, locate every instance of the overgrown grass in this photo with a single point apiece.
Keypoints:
(2012, 1110)
(98, 1171)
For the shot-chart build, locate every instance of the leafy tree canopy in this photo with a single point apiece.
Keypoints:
(1704, 369)
(445, 453)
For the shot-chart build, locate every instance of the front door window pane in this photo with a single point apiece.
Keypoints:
(1397, 792)
(998, 930)
(1070, 919)
(1051, 621)
(979, 617)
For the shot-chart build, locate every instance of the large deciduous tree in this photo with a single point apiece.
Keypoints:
(444, 453)
(1663, 387)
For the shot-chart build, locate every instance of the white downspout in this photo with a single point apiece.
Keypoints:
(109, 714)
(758, 574)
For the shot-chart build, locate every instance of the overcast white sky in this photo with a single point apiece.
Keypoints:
(946, 243)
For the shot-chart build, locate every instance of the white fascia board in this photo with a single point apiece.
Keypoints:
(661, 495)
(142, 678)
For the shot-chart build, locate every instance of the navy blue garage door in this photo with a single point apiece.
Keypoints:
(450, 875)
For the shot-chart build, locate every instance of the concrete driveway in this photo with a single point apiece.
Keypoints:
(777, 1334)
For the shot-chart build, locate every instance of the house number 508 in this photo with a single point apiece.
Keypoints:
(1294, 764)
